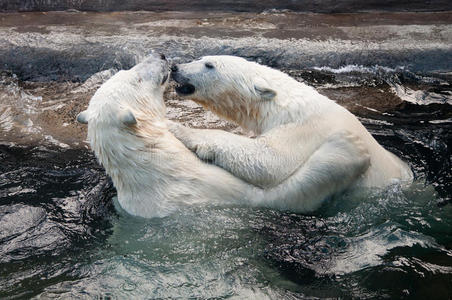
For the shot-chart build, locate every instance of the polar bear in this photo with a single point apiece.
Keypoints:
(292, 121)
(154, 173)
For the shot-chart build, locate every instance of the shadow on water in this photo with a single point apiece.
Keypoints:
(60, 235)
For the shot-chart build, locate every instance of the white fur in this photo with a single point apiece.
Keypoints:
(266, 101)
(154, 173)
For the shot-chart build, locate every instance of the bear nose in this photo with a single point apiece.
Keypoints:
(174, 68)
(162, 56)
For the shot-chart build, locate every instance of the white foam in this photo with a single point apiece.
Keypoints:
(419, 96)
(56, 142)
(94, 81)
(441, 121)
(368, 249)
(6, 119)
(358, 69)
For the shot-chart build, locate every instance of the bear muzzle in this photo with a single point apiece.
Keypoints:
(183, 88)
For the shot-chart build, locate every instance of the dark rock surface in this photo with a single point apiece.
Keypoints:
(227, 5)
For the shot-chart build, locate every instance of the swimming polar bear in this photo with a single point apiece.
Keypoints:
(154, 173)
(292, 121)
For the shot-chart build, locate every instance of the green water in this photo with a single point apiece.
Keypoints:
(393, 244)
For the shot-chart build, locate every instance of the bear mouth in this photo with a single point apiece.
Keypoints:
(185, 89)
(165, 78)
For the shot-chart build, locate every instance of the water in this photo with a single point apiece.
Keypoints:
(62, 234)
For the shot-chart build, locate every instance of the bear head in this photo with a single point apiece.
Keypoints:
(129, 94)
(230, 86)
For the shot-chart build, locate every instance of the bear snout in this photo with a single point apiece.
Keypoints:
(177, 76)
(184, 87)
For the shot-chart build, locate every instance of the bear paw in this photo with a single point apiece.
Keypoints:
(183, 134)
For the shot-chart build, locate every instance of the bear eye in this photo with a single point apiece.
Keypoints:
(209, 65)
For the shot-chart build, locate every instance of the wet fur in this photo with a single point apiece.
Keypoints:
(264, 101)
(155, 174)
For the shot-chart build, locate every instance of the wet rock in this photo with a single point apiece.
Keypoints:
(25, 231)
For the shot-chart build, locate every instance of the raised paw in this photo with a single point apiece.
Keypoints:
(175, 128)
(183, 134)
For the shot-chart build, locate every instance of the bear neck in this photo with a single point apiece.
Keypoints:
(275, 114)
(296, 104)
(137, 161)
(151, 169)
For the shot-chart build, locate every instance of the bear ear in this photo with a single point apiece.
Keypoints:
(82, 117)
(265, 92)
(127, 118)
